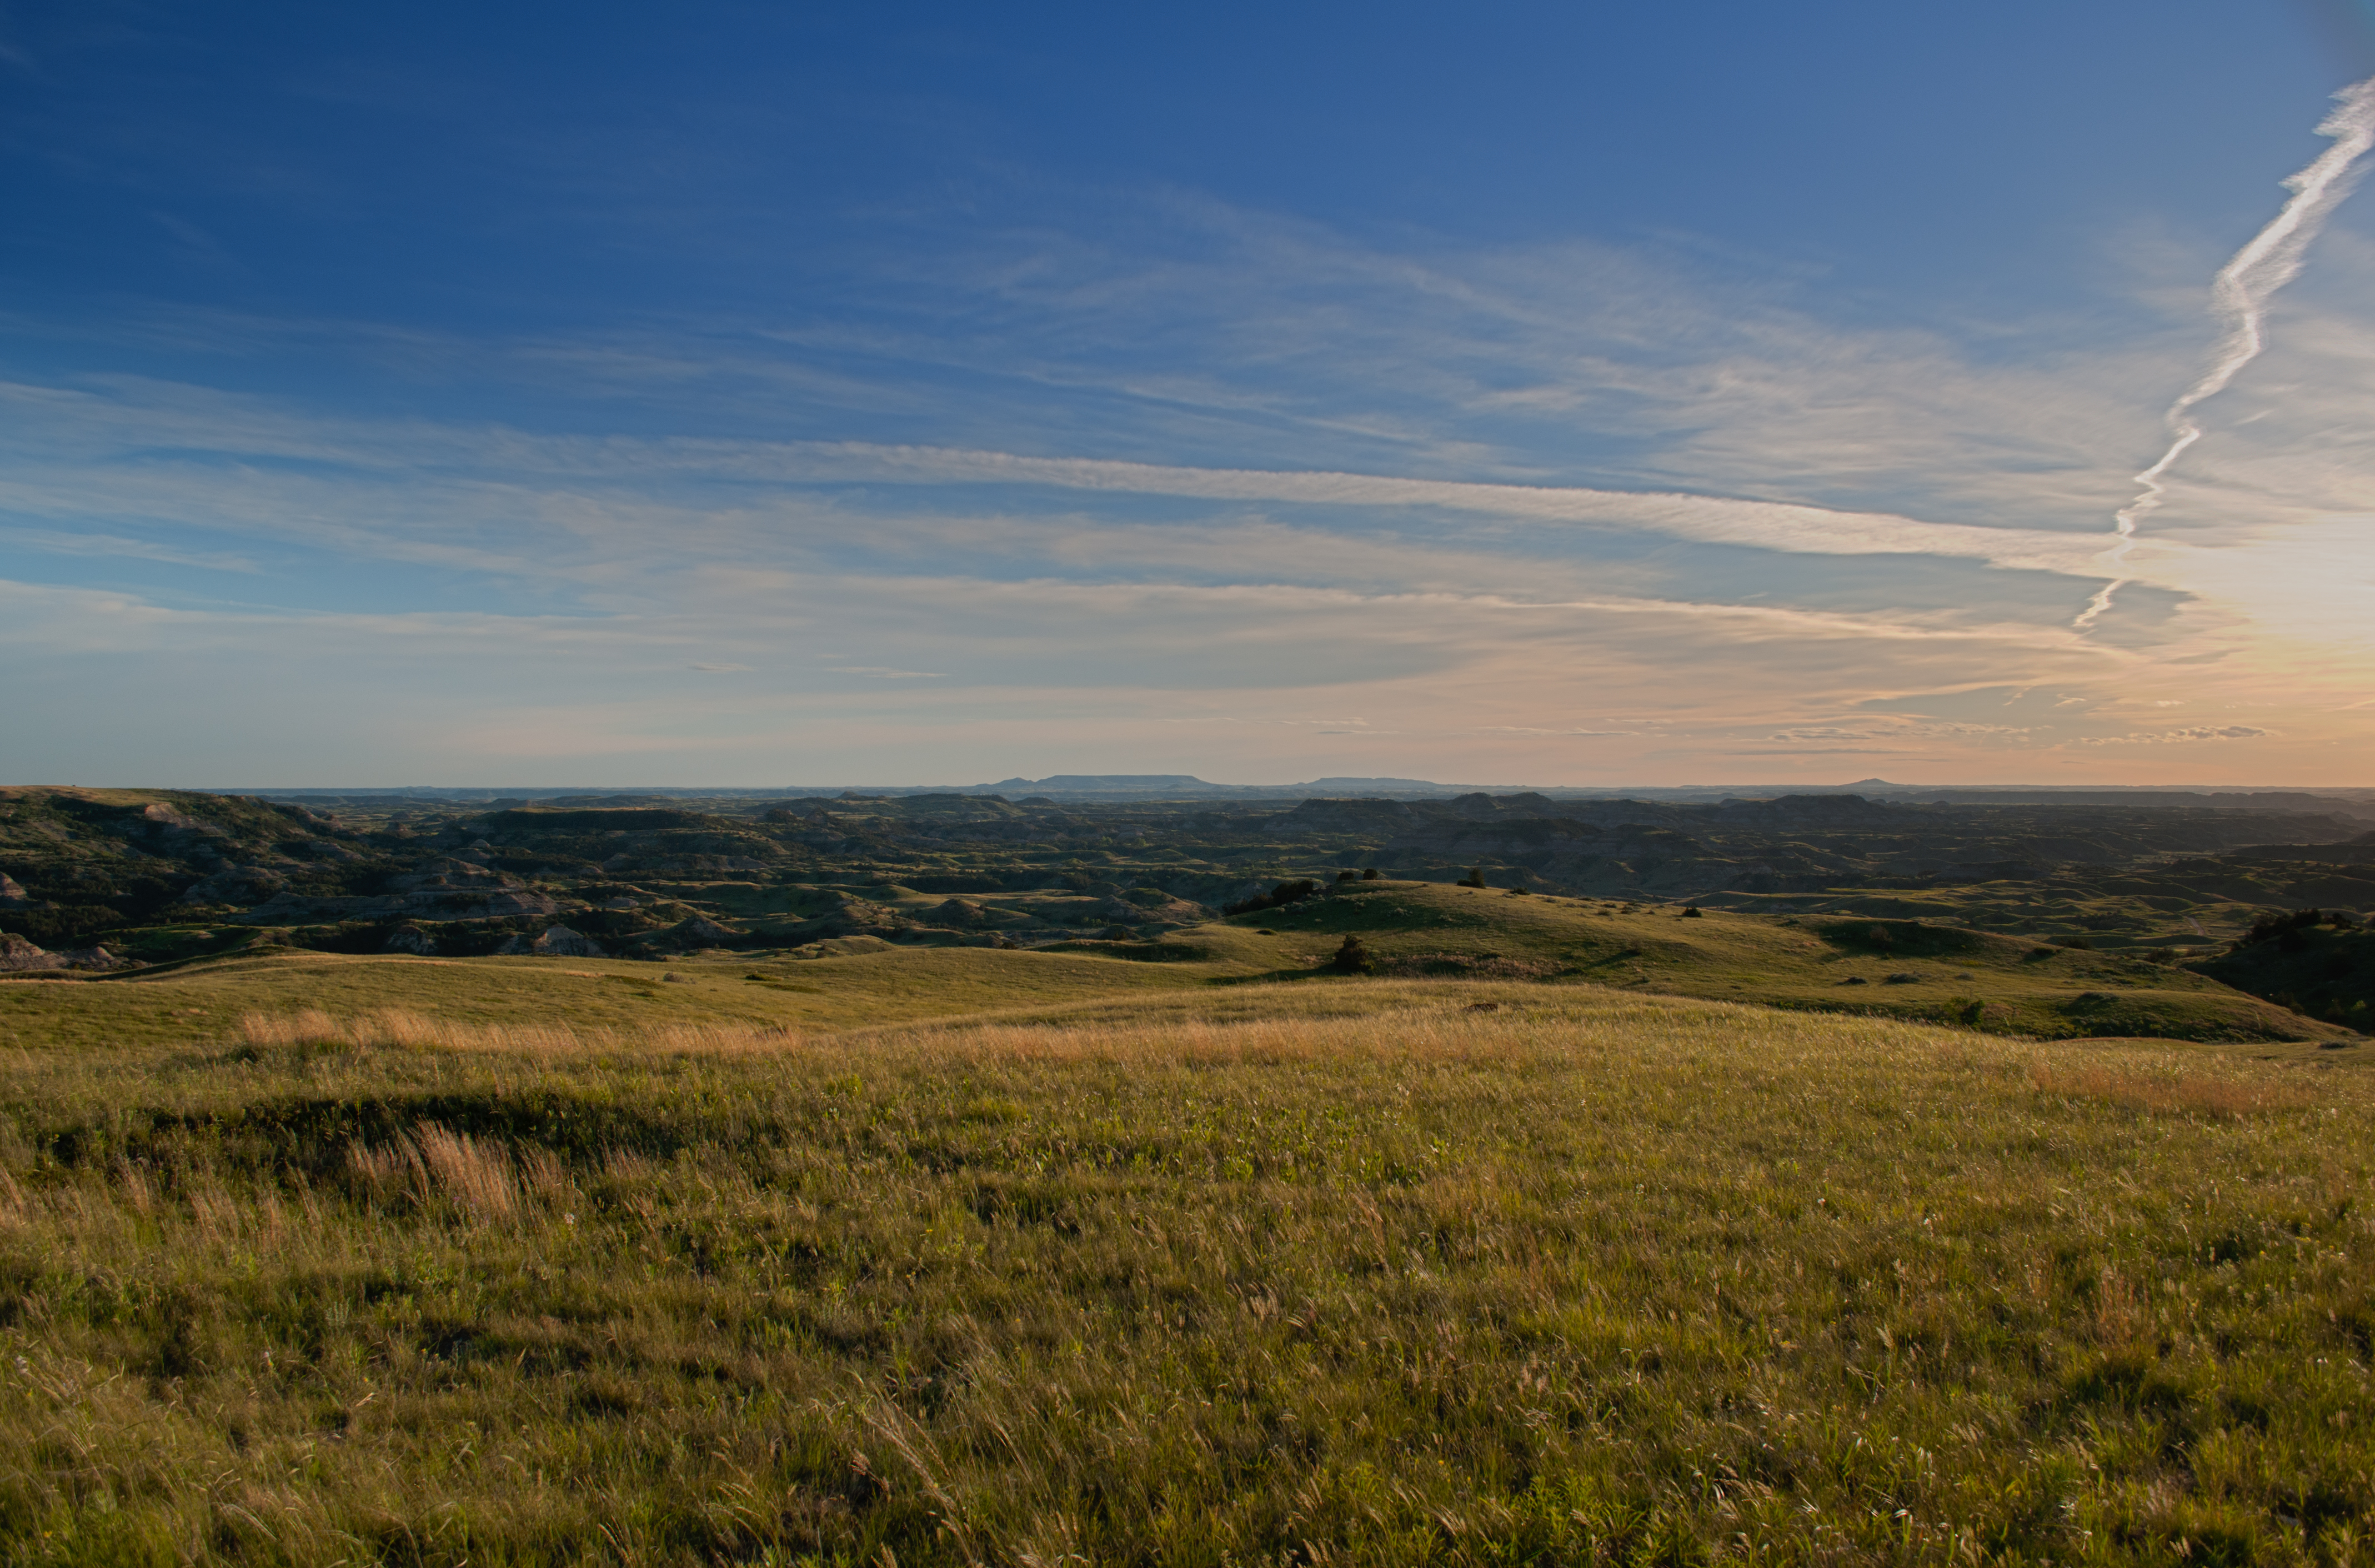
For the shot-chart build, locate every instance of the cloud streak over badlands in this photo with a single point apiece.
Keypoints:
(1814, 519)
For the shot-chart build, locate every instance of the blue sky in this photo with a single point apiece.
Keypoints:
(1566, 394)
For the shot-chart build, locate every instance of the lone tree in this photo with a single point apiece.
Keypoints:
(1352, 958)
(1475, 877)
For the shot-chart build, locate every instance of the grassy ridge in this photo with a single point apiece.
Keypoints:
(1901, 969)
(1365, 1271)
(1915, 972)
(886, 985)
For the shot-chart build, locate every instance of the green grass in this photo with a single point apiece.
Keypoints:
(885, 984)
(1376, 1271)
(1999, 983)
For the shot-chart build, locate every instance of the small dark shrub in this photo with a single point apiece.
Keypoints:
(1369, 874)
(1352, 958)
(1475, 877)
(1690, 912)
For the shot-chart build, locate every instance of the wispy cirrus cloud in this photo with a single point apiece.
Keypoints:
(2176, 736)
(56, 541)
(1476, 486)
(1530, 729)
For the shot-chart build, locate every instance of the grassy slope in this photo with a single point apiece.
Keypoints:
(1367, 1271)
(2329, 972)
(1995, 982)
(889, 985)
(1748, 958)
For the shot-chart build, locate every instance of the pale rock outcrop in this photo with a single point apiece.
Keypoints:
(19, 956)
(558, 941)
(410, 939)
(689, 934)
(17, 953)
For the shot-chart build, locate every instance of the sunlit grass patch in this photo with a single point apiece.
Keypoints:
(400, 1030)
(2171, 1092)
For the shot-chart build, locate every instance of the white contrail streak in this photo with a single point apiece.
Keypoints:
(2239, 295)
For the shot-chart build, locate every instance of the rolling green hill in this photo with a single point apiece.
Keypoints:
(1901, 969)
(1413, 930)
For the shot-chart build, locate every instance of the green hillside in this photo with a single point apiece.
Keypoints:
(2321, 963)
(1426, 932)
(1901, 969)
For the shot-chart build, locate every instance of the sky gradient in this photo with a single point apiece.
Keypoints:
(1565, 395)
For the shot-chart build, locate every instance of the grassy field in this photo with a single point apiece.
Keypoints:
(311, 1260)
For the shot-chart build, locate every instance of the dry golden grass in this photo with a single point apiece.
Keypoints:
(2170, 1091)
(1368, 1273)
(397, 1028)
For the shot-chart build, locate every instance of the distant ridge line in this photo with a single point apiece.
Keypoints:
(1153, 788)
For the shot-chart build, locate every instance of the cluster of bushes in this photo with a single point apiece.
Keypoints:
(1905, 938)
(1278, 897)
(2354, 1015)
(2286, 930)
(454, 938)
